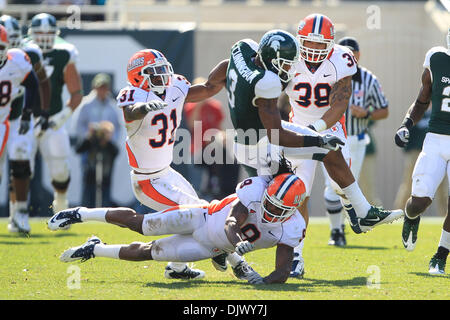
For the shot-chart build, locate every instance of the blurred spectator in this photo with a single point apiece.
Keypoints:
(97, 135)
(216, 180)
(412, 151)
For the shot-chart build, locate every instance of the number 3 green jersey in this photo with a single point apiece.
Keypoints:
(437, 61)
(247, 82)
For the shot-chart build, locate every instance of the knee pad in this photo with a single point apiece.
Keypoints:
(20, 169)
(61, 185)
(332, 201)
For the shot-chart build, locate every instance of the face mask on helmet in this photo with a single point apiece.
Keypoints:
(273, 210)
(158, 75)
(283, 68)
(320, 52)
(12, 27)
(45, 40)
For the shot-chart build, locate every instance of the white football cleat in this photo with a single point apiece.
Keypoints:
(20, 221)
(63, 219)
(83, 252)
(186, 274)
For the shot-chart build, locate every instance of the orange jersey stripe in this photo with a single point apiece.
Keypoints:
(217, 205)
(150, 191)
(5, 138)
(131, 158)
(342, 122)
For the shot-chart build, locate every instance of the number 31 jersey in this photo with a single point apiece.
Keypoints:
(12, 74)
(150, 140)
(309, 93)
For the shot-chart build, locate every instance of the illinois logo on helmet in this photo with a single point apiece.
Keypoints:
(149, 70)
(282, 197)
(319, 29)
(4, 45)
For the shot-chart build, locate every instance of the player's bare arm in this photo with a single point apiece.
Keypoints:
(215, 82)
(418, 108)
(238, 214)
(339, 97)
(271, 120)
(139, 110)
(416, 111)
(283, 262)
(44, 85)
(73, 82)
(359, 112)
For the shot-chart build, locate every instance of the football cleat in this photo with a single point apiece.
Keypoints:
(409, 232)
(377, 216)
(243, 271)
(186, 274)
(437, 265)
(20, 222)
(337, 238)
(298, 267)
(83, 252)
(63, 219)
(352, 219)
(220, 262)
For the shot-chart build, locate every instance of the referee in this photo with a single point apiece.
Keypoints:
(366, 103)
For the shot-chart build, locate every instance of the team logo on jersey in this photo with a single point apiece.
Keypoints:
(139, 62)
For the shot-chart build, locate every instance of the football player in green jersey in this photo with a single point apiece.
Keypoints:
(20, 145)
(433, 164)
(60, 65)
(254, 76)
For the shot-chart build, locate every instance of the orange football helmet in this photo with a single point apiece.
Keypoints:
(149, 70)
(316, 28)
(282, 197)
(4, 45)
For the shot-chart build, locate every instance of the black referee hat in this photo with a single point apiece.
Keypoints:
(350, 43)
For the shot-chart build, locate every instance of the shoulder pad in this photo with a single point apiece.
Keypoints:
(426, 62)
(343, 60)
(70, 48)
(181, 83)
(251, 190)
(20, 59)
(269, 86)
(251, 43)
(131, 95)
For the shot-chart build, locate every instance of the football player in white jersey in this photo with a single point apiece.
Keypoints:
(319, 94)
(20, 146)
(259, 215)
(16, 74)
(152, 105)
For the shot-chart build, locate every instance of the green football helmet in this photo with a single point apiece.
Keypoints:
(278, 50)
(43, 31)
(12, 26)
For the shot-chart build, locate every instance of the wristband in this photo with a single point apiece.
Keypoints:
(320, 125)
(408, 123)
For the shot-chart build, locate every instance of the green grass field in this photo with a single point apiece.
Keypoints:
(30, 268)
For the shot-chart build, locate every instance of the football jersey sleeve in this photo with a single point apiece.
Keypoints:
(294, 230)
(131, 95)
(426, 63)
(268, 87)
(344, 62)
(181, 83)
(252, 43)
(21, 61)
(33, 51)
(250, 191)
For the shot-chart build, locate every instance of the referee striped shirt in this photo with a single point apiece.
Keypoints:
(367, 94)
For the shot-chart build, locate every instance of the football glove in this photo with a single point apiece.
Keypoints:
(154, 105)
(402, 137)
(57, 120)
(330, 142)
(24, 126)
(243, 247)
(41, 125)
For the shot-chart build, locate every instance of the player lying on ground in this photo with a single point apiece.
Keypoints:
(257, 216)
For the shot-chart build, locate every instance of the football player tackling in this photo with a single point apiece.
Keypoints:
(259, 215)
(432, 165)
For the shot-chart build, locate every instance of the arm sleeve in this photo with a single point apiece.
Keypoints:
(32, 96)
(268, 87)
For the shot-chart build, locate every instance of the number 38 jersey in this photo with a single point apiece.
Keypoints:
(437, 61)
(261, 234)
(150, 140)
(309, 93)
(12, 74)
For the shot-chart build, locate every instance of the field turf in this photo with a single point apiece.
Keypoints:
(30, 268)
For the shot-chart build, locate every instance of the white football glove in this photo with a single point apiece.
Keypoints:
(155, 105)
(330, 142)
(56, 121)
(402, 137)
(243, 247)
